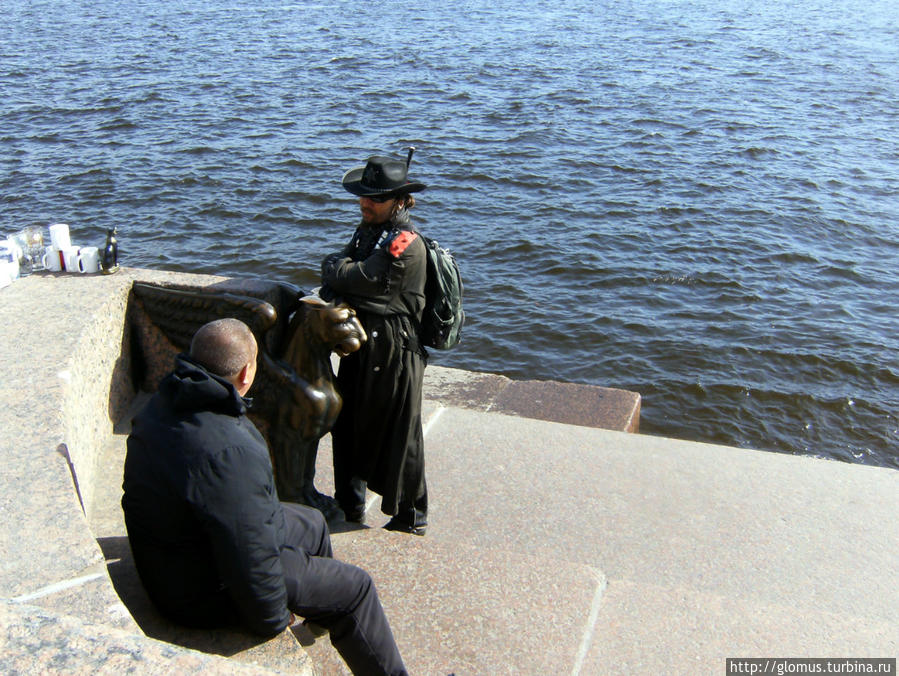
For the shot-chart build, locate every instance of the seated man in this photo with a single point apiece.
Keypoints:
(212, 543)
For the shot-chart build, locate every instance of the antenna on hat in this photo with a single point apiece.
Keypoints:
(411, 150)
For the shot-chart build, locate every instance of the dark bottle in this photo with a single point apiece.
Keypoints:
(110, 261)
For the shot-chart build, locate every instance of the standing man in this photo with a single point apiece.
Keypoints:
(377, 439)
(211, 541)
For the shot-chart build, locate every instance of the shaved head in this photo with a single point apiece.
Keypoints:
(223, 347)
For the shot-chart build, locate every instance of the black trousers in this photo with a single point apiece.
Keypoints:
(336, 595)
(350, 495)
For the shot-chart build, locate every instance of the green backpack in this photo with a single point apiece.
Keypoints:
(441, 322)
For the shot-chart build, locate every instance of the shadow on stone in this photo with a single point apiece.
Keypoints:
(343, 526)
(302, 634)
(120, 565)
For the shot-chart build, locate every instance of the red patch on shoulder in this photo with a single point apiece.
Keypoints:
(401, 242)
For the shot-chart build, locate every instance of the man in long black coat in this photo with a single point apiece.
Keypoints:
(211, 541)
(377, 439)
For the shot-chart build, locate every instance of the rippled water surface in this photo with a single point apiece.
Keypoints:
(698, 201)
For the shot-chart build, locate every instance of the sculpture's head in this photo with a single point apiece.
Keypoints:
(348, 332)
(336, 326)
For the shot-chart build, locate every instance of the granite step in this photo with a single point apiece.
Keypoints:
(460, 609)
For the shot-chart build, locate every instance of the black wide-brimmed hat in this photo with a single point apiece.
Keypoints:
(381, 177)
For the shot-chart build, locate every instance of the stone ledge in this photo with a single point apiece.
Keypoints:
(552, 401)
(65, 353)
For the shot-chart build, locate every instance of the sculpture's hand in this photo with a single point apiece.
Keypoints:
(347, 334)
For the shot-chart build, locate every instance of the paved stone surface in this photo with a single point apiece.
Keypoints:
(725, 520)
(654, 629)
(706, 552)
(450, 609)
(552, 548)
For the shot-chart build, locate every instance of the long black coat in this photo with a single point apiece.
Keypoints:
(381, 274)
(203, 517)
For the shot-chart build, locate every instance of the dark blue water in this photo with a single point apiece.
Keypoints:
(698, 201)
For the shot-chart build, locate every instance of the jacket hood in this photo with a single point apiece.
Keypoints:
(190, 387)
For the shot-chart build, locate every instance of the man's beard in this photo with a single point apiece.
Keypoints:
(368, 217)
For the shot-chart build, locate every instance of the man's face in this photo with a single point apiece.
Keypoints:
(375, 213)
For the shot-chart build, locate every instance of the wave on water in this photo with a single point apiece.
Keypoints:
(688, 201)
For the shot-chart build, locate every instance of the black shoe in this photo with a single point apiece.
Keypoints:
(356, 515)
(404, 527)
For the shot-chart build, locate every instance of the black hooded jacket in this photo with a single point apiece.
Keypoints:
(203, 517)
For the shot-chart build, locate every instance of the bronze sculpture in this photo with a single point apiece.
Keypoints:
(295, 402)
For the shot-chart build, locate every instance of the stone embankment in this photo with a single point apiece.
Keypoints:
(554, 546)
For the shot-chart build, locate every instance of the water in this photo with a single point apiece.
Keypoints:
(698, 201)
